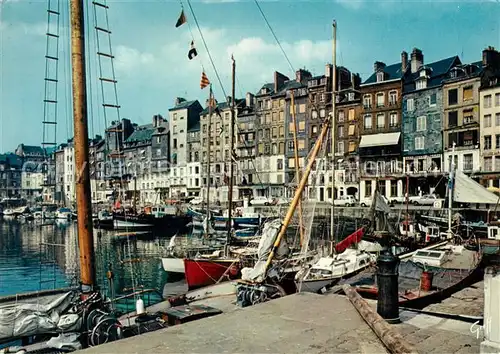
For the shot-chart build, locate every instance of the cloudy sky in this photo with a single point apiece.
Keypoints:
(152, 67)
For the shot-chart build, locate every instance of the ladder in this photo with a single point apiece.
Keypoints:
(51, 79)
(108, 82)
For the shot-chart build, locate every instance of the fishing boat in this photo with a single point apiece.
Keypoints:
(427, 276)
(169, 225)
(328, 271)
(64, 214)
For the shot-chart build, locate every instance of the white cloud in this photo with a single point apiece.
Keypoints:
(256, 59)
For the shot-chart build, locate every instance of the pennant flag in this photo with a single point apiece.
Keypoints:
(192, 52)
(182, 20)
(204, 80)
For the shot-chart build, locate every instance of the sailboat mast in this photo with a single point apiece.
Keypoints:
(81, 142)
(231, 169)
(451, 183)
(297, 169)
(209, 141)
(334, 122)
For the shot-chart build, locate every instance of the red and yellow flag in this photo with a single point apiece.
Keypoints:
(204, 80)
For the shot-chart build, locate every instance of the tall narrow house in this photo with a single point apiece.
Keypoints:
(422, 121)
(380, 131)
(461, 117)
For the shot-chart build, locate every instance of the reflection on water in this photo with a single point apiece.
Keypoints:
(35, 257)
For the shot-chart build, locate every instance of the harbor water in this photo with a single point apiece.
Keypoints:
(36, 255)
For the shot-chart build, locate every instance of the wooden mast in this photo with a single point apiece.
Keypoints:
(81, 142)
(297, 169)
(231, 151)
(334, 123)
(298, 192)
(209, 140)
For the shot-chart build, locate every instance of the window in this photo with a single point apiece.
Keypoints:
(352, 146)
(175, 143)
(452, 96)
(452, 118)
(421, 84)
(322, 97)
(351, 114)
(421, 123)
(432, 100)
(340, 147)
(487, 121)
(268, 118)
(393, 120)
(322, 113)
(368, 188)
(313, 96)
(314, 114)
(175, 116)
(468, 116)
(393, 97)
(488, 164)
(301, 144)
(419, 143)
(302, 126)
(497, 99)
(291, 128)
(468, 162)
(279, 164)
(291, 162)
(410, 105)
(340, 131)
(282, 102)
(341, 116)
(381, 121)
(275, 132)
(282, 131)
(314, 130)
(302, 108)
(282, 116)
(352, 129)
(487, 101)
(467, 93)
(497, 119)
(368, 121)
(275, 148)
(497, 143)
(290, 145)
(226, 140)
(380, 99)
(367, 101)
(487, 142)
(275, 116)
(281, 148)
(175, 129)
(350, 96)
(380, 76)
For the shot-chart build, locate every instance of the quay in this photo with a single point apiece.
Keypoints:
(299, 323)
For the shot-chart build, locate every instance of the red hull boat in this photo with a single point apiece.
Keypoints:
(204, 271)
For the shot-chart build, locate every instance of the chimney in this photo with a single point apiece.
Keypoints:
(328, 70)
(249, 99)
(179, 100)
(279, 80)
(404, 61)
(417, 60)
(491, 57)
(355, 81)
(302, 75)
(378, 65)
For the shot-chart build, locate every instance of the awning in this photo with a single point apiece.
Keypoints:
(383, 139)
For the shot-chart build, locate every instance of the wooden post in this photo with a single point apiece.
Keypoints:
(391, 338)
(297, 168)
(211, 101)
(334, 124)
(231, 151)
(83, 192)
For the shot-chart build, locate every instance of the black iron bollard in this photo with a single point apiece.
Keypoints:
(387, 283)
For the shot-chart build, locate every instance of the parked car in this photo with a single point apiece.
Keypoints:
(196, 201)
(282, 201)
(345, 200)
(428, 199)
(261, 200)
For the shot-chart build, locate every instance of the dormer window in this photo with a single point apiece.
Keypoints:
(350, 96)
(263, 91)
(380, 76)
(421, 84)
(423, 73)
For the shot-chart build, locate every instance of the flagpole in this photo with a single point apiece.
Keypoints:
(208, 156)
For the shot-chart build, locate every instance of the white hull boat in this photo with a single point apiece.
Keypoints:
(173, 265)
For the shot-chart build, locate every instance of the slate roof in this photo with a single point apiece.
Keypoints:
(269, 86)
(438, 72)
(11, 159)
(183, 105)
(393, 72)
(289, 85)
(224, 105)
(195, 127)
(31, 150)
(142, 133)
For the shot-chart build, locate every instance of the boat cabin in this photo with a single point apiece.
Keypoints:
(493, 233)
(430, 257)
(432, 234)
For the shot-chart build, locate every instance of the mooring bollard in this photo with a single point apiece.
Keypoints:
(387, 283)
